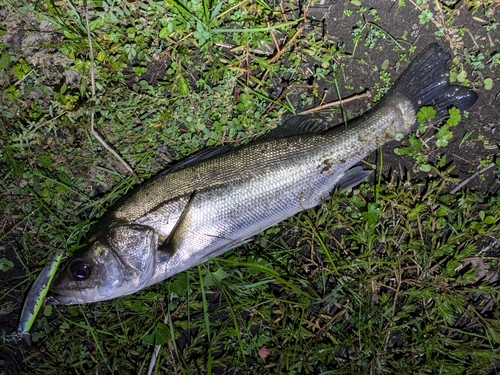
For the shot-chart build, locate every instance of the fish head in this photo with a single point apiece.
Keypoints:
(118, 262)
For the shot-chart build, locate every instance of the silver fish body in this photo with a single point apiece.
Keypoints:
(200, 210)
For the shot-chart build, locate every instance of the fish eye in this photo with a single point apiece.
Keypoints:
(80, 270)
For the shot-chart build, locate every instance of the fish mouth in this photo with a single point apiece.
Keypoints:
(70, 297)
(60, 299)
(63, 296)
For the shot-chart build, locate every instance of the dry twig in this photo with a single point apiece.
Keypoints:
(466, 181)
(156, 350)
(366, 94)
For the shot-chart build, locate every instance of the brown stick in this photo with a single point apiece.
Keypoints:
(287, 45)
(466, 181)
(276, 44)
(292, 39)
(366, 94)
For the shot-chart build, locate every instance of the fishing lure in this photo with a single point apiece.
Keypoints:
(36, 296)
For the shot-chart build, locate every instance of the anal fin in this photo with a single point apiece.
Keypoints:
(353, 177)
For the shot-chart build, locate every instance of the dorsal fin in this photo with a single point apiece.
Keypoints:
(295, 125)
(205, 154)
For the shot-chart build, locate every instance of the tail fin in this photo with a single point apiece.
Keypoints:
(425, 82)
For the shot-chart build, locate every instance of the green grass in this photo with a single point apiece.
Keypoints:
(392, 277)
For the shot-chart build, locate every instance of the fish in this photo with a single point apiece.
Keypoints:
(218, 199)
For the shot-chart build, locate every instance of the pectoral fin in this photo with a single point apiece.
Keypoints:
(169, 244)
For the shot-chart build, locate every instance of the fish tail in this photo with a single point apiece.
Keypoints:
(425, 82)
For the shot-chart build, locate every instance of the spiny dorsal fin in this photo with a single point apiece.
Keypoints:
(205, 154)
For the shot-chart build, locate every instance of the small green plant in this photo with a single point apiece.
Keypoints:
(491, 26)
(443, 136)
(5, 264)
(425, 16)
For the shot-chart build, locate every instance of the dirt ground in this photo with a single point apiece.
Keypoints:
(483, 119)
